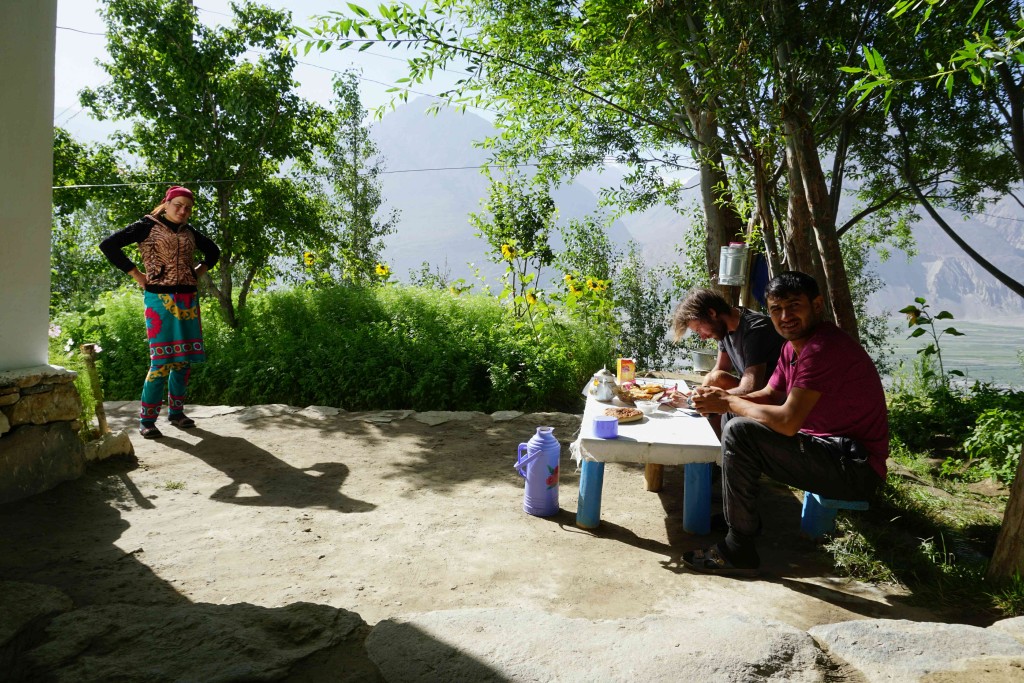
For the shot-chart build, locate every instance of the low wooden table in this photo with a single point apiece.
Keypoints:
(672, 436)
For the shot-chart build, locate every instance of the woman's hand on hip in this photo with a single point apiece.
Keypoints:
(139, 277)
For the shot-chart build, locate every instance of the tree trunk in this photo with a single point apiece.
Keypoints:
(723, 222)
(762, 196)
(798, 218)
(823, 221)
(1008, 558)
(227, 263)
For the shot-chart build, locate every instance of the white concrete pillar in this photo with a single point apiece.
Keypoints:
(27, 40)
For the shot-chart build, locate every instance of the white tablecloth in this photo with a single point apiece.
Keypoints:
(672, 436)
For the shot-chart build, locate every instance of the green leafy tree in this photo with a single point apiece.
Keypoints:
(645, 306)
(354, 165)
(517, 222)
(85, 179)
(206, 113)
(743, 90)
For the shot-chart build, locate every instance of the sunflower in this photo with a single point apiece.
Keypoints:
(568, 278)
(531, 297)
(382, 270)
(308, 258)
(508, 252)
(593, 285)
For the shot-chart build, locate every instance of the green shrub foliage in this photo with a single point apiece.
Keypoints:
(367, 348)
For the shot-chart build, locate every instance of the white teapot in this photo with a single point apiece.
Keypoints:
(602, 386)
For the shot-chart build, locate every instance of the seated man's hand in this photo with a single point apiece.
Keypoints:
(710, 400)
(680, 398)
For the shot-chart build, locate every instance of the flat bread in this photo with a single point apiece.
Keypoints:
(624, 415)
(639, 392)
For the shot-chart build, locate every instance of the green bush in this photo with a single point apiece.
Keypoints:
(366, 348)
(996, 442)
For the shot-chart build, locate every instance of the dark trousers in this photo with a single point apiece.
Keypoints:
(749, 449)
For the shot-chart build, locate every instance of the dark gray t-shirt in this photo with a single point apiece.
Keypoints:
(755, 341)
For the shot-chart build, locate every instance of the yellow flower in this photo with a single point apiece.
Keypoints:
(575, 291)
(308, 257)
(454, 290)
(531, 297)
(592, 285)
(568, 278)
(382, 270)
(508, 252)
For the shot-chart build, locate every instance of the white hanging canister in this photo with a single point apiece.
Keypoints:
(732, 264)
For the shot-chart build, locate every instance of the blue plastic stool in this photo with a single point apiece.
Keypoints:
(819, 514)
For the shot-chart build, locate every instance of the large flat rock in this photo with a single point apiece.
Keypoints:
(199, 642)
(521, 645)
(901, 650)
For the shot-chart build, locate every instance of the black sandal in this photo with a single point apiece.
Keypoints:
(150, 432)
(182, 421)
(711, 561)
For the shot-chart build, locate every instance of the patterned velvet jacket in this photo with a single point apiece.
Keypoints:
(167, 250)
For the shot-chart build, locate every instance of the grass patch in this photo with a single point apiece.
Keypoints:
(933, 538)
(174, 486)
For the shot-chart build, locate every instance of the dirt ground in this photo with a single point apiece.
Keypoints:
(390, 518)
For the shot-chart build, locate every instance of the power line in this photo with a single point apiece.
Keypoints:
(76, 30)
(278, 177)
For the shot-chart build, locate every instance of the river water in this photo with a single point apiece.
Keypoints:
(986, 352)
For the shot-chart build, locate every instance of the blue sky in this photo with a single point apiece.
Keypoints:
(80, 43)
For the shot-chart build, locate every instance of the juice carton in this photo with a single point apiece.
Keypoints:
(626, 370)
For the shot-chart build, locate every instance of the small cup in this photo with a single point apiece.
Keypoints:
(606, 426)
(647, 407)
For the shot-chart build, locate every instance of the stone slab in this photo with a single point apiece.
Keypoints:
(381, 416)
(23, 604)
(506, 415)
(263, 412)
(28, 377)
(522, 645)
(1013, 626)
(109, 445)
(188, 642)
(438, 417)
(37, 458)
(901, 650)
(319, 412)
(61, 404)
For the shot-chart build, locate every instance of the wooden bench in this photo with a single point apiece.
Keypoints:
(818, 516)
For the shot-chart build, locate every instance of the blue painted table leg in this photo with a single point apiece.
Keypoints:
(697, 498)
(588, 510)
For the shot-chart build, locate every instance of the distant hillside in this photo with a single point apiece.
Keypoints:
(435, 205)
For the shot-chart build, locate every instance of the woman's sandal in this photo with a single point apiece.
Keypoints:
(711, 561)
(150, 432)
(182, 421)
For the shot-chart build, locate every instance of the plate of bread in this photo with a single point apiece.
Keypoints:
(624, 415)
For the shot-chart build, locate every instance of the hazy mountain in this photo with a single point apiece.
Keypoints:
(433, 177)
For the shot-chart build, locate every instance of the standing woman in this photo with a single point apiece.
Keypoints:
(167, 243)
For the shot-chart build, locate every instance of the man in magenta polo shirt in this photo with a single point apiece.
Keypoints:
(820, 424)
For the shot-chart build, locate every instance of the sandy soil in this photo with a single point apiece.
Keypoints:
(391, 518)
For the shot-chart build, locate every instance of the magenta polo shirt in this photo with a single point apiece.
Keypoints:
(852, 400)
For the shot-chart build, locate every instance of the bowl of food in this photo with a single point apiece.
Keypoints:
(647, 407)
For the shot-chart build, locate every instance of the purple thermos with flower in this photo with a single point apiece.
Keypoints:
(537, 462)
